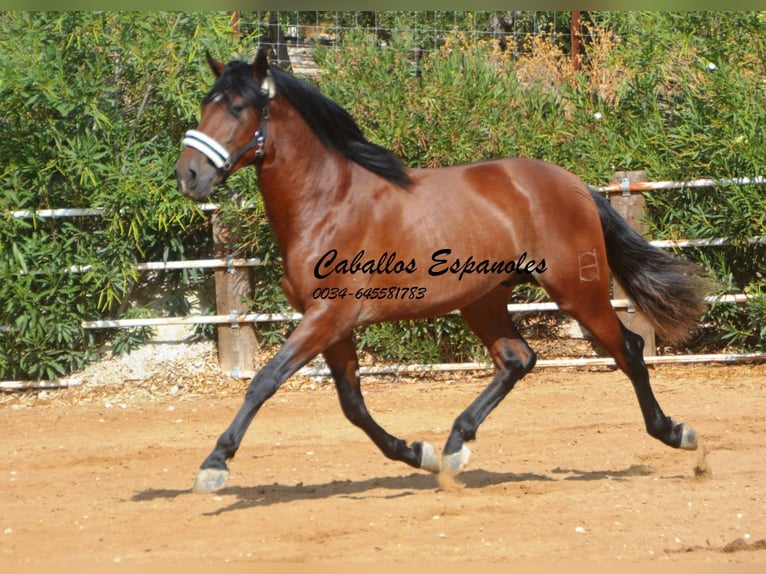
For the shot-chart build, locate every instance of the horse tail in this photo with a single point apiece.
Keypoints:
(668, 290)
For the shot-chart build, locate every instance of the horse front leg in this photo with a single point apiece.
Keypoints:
(312, 335)
(344, 366)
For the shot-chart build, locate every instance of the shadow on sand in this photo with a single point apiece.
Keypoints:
(384, 487)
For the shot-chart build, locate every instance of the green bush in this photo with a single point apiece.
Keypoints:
(92, 108)
(664, 109)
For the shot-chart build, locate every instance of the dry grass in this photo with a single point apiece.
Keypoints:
(601, 68)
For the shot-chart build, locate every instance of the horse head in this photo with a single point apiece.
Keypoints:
(232, 131)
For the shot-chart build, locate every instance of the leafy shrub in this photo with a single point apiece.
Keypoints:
(92, 108)
(93, 105)
(663, 108)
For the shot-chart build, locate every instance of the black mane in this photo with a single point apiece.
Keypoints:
(333, 125)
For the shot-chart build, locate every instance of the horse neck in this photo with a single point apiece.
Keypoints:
(299, 178)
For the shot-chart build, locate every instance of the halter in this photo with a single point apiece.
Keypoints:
(218, 154)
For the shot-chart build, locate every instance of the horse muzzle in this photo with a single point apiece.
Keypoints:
(196, 176)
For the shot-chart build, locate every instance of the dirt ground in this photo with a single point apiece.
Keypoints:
(561, 471)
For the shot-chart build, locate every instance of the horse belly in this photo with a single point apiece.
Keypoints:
(437, 272)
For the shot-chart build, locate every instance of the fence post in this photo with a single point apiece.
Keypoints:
(631, 206)
(574, 40)
(237, 343)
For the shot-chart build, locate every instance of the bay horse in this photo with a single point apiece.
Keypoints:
(363, 239)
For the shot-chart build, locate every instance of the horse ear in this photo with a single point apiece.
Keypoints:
(214, 64)
(261, 64)
(261, 74)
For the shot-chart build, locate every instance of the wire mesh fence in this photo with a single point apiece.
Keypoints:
(284, 33)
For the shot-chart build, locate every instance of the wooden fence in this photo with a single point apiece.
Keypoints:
(236, 334)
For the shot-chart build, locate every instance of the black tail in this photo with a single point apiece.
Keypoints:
(668, 290)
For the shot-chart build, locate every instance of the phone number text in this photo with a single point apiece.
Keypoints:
(392, 293)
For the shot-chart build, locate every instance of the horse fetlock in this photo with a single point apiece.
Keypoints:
(463, 430)
(678, 435)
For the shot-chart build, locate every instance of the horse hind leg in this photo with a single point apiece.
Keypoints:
(513, 358)
(591, 307)
(658, 425)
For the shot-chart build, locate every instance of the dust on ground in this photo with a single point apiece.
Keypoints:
(563, 470)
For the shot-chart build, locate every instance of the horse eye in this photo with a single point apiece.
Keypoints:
(237, 109)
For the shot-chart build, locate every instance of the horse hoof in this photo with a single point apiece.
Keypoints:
(454, 463)
(688, 438)
(210, 480)
(428, 460)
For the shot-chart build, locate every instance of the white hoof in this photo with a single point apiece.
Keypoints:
(688, 438)
(455, 463)
(210, 480)
(428, 460)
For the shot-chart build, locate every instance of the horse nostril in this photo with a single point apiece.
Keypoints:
(191, 179)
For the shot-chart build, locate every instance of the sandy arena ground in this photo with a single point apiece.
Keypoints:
(561, 471)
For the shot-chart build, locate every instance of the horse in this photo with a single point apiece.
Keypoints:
(364, 239)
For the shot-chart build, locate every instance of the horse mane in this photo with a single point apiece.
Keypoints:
(337, 129)
(332, 124)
